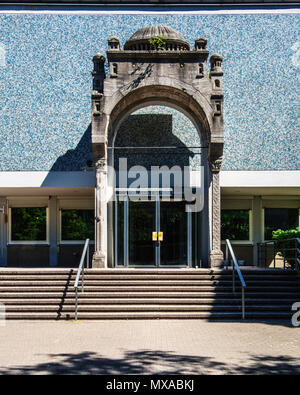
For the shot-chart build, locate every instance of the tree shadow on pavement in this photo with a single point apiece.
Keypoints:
(155, 362)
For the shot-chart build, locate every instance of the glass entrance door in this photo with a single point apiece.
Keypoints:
(174, 226)
(141, 224)
(154, 233)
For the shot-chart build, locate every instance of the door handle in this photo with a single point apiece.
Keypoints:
(157, 236)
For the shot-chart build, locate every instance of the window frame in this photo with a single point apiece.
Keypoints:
(250, 240)
(263, 219)
(27, 242)
(72, 204)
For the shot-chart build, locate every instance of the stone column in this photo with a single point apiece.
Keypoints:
(216, 255)
(53, 258)
(256, 226)
(3, 231)
(100, 254)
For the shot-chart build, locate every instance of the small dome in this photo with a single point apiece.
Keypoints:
(140, 40)
(98, 57)
(113, 38)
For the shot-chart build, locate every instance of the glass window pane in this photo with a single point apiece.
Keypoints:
(77, 225)
(280, 218)
(235, 224)
(119, 222)
(28, 224)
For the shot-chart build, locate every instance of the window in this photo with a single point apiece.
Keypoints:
(77, 225)
(235, 225)
(115, 68)
(280, 218)
(28, 224)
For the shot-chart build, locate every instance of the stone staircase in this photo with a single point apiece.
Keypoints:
(147, 293)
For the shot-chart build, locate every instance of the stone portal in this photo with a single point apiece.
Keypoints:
(157, 66)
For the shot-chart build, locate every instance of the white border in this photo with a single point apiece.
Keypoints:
(86, 179)
(47, 179)
(260, 179)
(140, 11)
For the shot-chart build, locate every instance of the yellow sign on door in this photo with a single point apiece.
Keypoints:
(160, 236)
(154, 236)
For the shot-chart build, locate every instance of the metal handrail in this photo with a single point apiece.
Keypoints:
(286, 252)
(80, 270)
(297, 254)
(235, 265)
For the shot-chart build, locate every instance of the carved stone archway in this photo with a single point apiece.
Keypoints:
(157, 65)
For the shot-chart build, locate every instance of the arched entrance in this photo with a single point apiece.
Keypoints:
(148, 213)
(141, 76)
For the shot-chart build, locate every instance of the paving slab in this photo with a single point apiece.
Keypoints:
(149, 347)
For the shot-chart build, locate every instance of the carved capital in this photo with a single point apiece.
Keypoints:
(100, 164)
(215, 165)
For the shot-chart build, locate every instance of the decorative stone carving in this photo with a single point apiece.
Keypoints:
(216, 255)
(114, 44)
(215, 165)
(147, 74)
(200, 44)
(100, 165)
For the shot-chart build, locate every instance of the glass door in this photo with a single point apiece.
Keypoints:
(141, 224)
(174, 228)
(154, 233)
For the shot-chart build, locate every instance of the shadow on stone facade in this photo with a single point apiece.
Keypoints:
(151, 141)
(76, 159)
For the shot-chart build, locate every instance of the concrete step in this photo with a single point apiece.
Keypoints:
(147, 294)
(159, 288)
(214, 315)
(148, 271)
(109, 288)
(142, 307)
(139, 301)
(134, 283)
(131, 277)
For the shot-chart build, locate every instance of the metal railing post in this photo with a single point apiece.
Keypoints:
(233, 278)
(296, 253)
(266, 252)
(88, 257)
(82, 280)
(235, 266)
(76, 304)
(80, 271)
(243, 302)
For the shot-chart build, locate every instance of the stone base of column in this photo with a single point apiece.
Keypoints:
(99, 260)
(216, 258)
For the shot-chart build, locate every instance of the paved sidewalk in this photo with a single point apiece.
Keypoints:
(149, 347)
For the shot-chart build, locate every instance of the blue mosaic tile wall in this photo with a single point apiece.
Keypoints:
(45, 85)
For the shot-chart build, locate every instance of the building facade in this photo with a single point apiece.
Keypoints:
(156, 134)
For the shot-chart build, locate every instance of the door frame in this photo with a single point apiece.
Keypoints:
(157, 254)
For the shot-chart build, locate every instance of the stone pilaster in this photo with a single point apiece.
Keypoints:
(100, 254)
(3, 231)
(216, 255)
